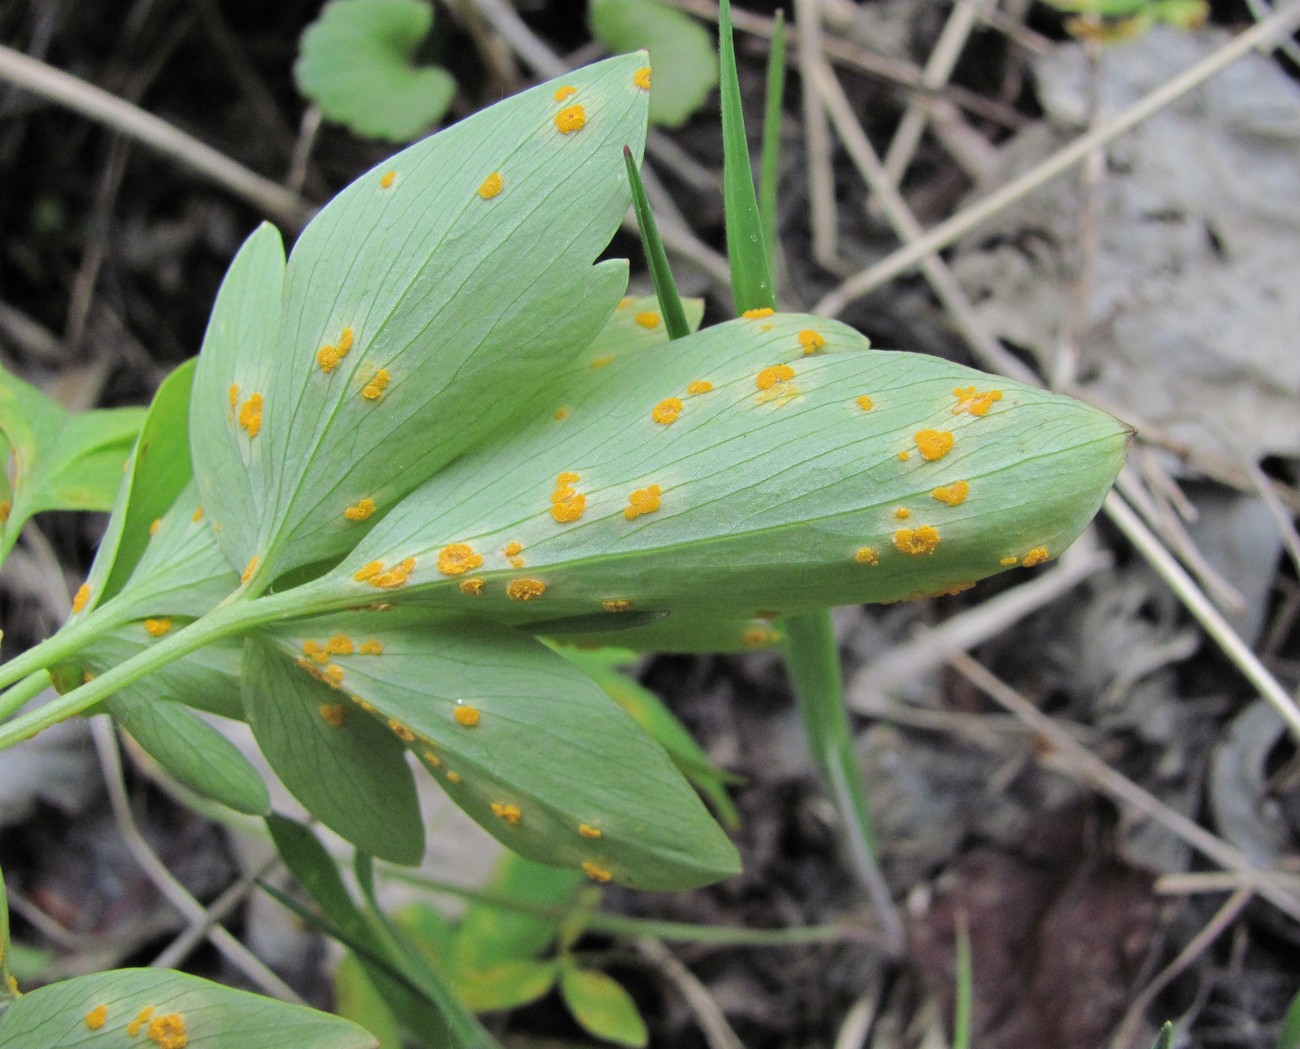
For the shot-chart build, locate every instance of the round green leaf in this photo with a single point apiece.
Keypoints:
(600, 1004)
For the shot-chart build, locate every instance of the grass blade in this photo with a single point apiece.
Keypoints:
(670, 302)
(770, 165)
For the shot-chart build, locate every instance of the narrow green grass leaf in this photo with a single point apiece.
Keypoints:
(521, 740)
(191, 750)
(770, 164)
(790, 481)
(670, 302)
(458, 268)
(600, 1004)
(355, 63)
(680, 50)
(158, 1007)
(347, 769)
(751, 277)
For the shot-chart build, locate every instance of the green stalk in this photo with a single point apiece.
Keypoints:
(12, 699)
(965, 992)
(670, 302)
(751, 277)
(5, 975)
(770, 165)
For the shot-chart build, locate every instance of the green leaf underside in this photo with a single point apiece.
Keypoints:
(353, 778)
(548, 750)
(206, 679)
(603, 1007)
(58, 460)
(768, 496)
(683, 630)
(452, 295)
(685, 69)
(214, 1017)
(355, 64)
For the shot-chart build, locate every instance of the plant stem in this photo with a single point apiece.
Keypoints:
(12, 699)
(814, 667)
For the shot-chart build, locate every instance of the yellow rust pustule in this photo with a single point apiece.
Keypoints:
(360, 510)
(491, 186)
(973, 401)
(953, 494)
(642, 501)
(525, 589)
(918, 541)
(811, 341)
(505, 811)
(641, 78)
(769, 377)
(933, 444)
(667, 411)
(465, 715)
(570, 119)
(458, 558)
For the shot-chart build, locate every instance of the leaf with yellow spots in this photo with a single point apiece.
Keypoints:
(173, 1010)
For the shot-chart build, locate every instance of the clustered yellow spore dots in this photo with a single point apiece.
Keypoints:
(465, 715)
(953, 494)
(97, 1016)
(769, 377)
(453, 777)
(902, 513)
(509, 813)
(904, 455)
(250, 568)
(602, 361)
(250, 415)
(334, 673)
(648, 320)
(1007, 562)
(402, 732)
(457, 559)
(973, 401)
(471, 587)
(374, 389)
(329, 355)
(370, 648)
(864, 402)
(642, 501)
(141, 1018)
(387, 180)
(1036, 556)
(866, 555)
(525, 589)
(197, 515)
(567, 503)
(80, 598)
(917, 541)
(616, 605)
(933, 444)
(168, 1031)
(512, 550)
(565, 92)
(764, 311)
(157, 627)
(811, 341)
(952, 590)
(491, 186)
(394, 577)
(360, 510)
(570, 119)
(432, 759)
(666, 411)
(595, 872)
(641, 78)
(588, 831)
(699, 386)
(333, 714)
(154, 525)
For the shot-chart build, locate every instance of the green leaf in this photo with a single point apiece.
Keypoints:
(354, 62)
(1288, 1037)
(443, 294)
(489, 934)
(190, 749)
(155, 1007)
(356, 999)
(777, 499)
(685, 65)
(683, 630)
(58, 460)
(206, 679)
(1165, 1037)
(347, 769)
(506, 985)
(600, 1004)
(519, 738)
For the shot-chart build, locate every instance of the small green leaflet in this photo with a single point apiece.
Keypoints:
(355, 63)
(600, 1004)
(789, 480)
(413, 304)
(161, 1008)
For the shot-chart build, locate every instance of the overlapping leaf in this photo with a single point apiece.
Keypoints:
(459, 269)
(735, 473)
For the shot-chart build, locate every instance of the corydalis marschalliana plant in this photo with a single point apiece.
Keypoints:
(439, 431)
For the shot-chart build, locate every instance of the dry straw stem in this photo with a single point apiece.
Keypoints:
(717, 1032)
(1266, 34)
(1069, 757)
(56, 86)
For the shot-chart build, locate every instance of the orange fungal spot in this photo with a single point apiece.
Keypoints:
(334, 673)
(465, 715)
(360, 510)
(458, 558)
(904, 455)
(564, 92)
(249, 569)
(333, 714)
(157, 627)
(97, 1016)
(402, 732)
(387, 180)
(561, 414)
(432, 759)
(395, 576)
(491, 186)
(641, 78)
(917, 541)
(953, 494)
(374, 389)
(1036, 556)
(864, 402)
(648, 320)
(595, 872)
(370, 648)
(764, 311)
(866, 555)
(933, 444)
(642, 501)
(603, 361)
(168, 1031)
(1007, 562)
(250, 415)
(234, 394)
(154, 525)
(472, 587)
(902, 513)
(570, 119)
(197, 515)
(952, 590)
(509, 813)
(453, 778)
(756, 637)
(329, 355)
(368, 571)
(769, 377)
(567, 503)
(525, 589)
(973, 401)
(80, 598)
(811, 341)
(5, 507)
(513, 548)
(141, 1018)
(699, 386)
(616, 605)
(666, 411)
(588, 831)
(339, 645)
